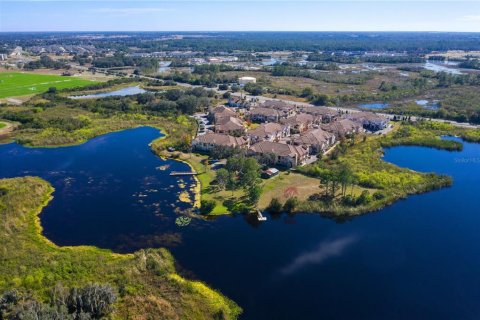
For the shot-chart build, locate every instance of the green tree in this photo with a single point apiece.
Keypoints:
(290, 205)
(222, 178)
(254, 192)
(275, 206)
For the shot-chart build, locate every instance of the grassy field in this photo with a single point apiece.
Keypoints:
(148, 286)
(385, 181)
(19, 84)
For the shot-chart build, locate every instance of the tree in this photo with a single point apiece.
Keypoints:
(207, 206)
(275, 206)
(187, 104)
(249, 173)
(307, 92)
(254, 192)
(254, 88)
(290, 204)
(222, 178)
(345, 176)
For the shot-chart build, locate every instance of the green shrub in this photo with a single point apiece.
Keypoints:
(290, 204)
(207, 206)
(275, 206)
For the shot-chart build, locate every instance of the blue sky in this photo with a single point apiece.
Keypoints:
(232, 15)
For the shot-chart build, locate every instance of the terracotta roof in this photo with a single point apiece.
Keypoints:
(340, 127)
(222, 110)
(280, 149)
(313, 137)
(365, 116)
(221, 140)
(229, 123)
(266, 129)
(265, 112)
(299, 119)
(319, 111)
(279, 105)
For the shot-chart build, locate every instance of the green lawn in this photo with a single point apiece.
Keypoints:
(2, 125)
(19, 84)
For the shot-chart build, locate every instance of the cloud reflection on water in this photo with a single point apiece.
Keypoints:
(324, 251)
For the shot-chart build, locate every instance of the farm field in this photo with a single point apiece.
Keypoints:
(18, 84)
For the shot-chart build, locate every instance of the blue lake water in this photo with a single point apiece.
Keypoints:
(416, 259)
(429, 105)
(374, 106)
(442, 67)
(129, 91)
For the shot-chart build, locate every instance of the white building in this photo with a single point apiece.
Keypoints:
(244, 80)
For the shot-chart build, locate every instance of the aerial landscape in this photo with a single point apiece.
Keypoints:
(239, 160)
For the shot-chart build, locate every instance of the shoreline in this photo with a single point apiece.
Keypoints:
(28, 197)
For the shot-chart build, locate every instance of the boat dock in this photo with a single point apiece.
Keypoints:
(180, 173)
(260, 216)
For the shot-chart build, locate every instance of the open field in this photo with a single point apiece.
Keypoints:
(18, 84)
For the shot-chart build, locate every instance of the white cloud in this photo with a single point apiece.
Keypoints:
(324, 251)
(130, 11)
(472, 18)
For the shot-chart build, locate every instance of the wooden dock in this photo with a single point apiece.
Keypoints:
(180, 173)
(260, 216)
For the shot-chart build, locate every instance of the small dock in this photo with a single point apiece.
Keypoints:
(260, 216)
(181, 173)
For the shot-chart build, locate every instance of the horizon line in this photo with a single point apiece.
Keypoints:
(238, 31)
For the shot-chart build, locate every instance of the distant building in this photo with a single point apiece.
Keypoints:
(244, 80)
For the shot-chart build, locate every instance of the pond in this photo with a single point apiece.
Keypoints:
(164, 66)
(128, 91)
(416, 259)
(441, 67)
(374, 105)
(427, 104)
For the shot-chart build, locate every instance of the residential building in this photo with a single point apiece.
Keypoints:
(238, 102)
(264, 115)
(327, 115)
(300, 122)
(369, 120)
(317, 140)
(269, 132)
(286, 109)
(209, 141)
(245, 80)
(286, 155)
(342, 128)
(221, 112)
(230, 125)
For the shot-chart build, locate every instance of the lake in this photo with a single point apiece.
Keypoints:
(128, 91)
(416, 259)
(442, 67)
(427, 104)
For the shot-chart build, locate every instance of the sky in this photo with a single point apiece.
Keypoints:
(234, 15)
